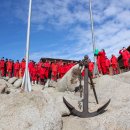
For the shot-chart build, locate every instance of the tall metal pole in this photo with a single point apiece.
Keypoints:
(26, 85)
(93, 36)
(92, 27)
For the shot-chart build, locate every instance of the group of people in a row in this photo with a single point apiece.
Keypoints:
(39, 72)
(43, 70)
(104, 63)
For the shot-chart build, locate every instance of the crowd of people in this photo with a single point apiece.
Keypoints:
(104, 63)
(43, 70)
(39, 72)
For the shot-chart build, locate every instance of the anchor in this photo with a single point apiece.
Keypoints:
(85, 113)
(80, 87)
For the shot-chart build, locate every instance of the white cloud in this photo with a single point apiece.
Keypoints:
(111, 22)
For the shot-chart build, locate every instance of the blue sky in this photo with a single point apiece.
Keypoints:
(61, 28)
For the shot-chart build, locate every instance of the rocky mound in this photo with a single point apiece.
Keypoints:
(28, 111)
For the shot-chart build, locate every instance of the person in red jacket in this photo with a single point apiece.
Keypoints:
(30, 66)
(47, 65)
(62, 70)
(39, 66)
(6, 61)
(9, 68)
(72, 64)
(125, 57)
(12, 74)
(60, 64)
(16, 69)
(91, 67)
(67, 65)
(98, 64)
(114, 64)
(34, 74)
(22, 67)
(54, 68)
(42, 74)
(102, 61)
(108, 65)
(2, 67)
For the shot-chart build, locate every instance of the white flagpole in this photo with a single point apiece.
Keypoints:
(93, 36)
(92, 27)
(26, 85)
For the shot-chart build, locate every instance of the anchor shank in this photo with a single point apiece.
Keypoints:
(85, 100)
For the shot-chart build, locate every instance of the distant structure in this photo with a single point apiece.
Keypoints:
(120, 60)
(53, 59)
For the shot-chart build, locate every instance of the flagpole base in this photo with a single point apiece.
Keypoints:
(26, 84)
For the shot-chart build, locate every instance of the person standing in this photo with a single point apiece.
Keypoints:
(42, 74)
(114, 64)
(6, 61)
(102, 61)
(91, 67)
(12, 73)
(2, 67)
(125, 57)
(22, 67)
(108, 65)
(62, 70)
(39, 69)
(60, 64)
(9, 68)
(54, 68)
(98, 65)
(47, 67)
(16, 68)
(34, 74)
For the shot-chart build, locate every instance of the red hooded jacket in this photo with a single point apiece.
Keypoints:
(125, 54)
